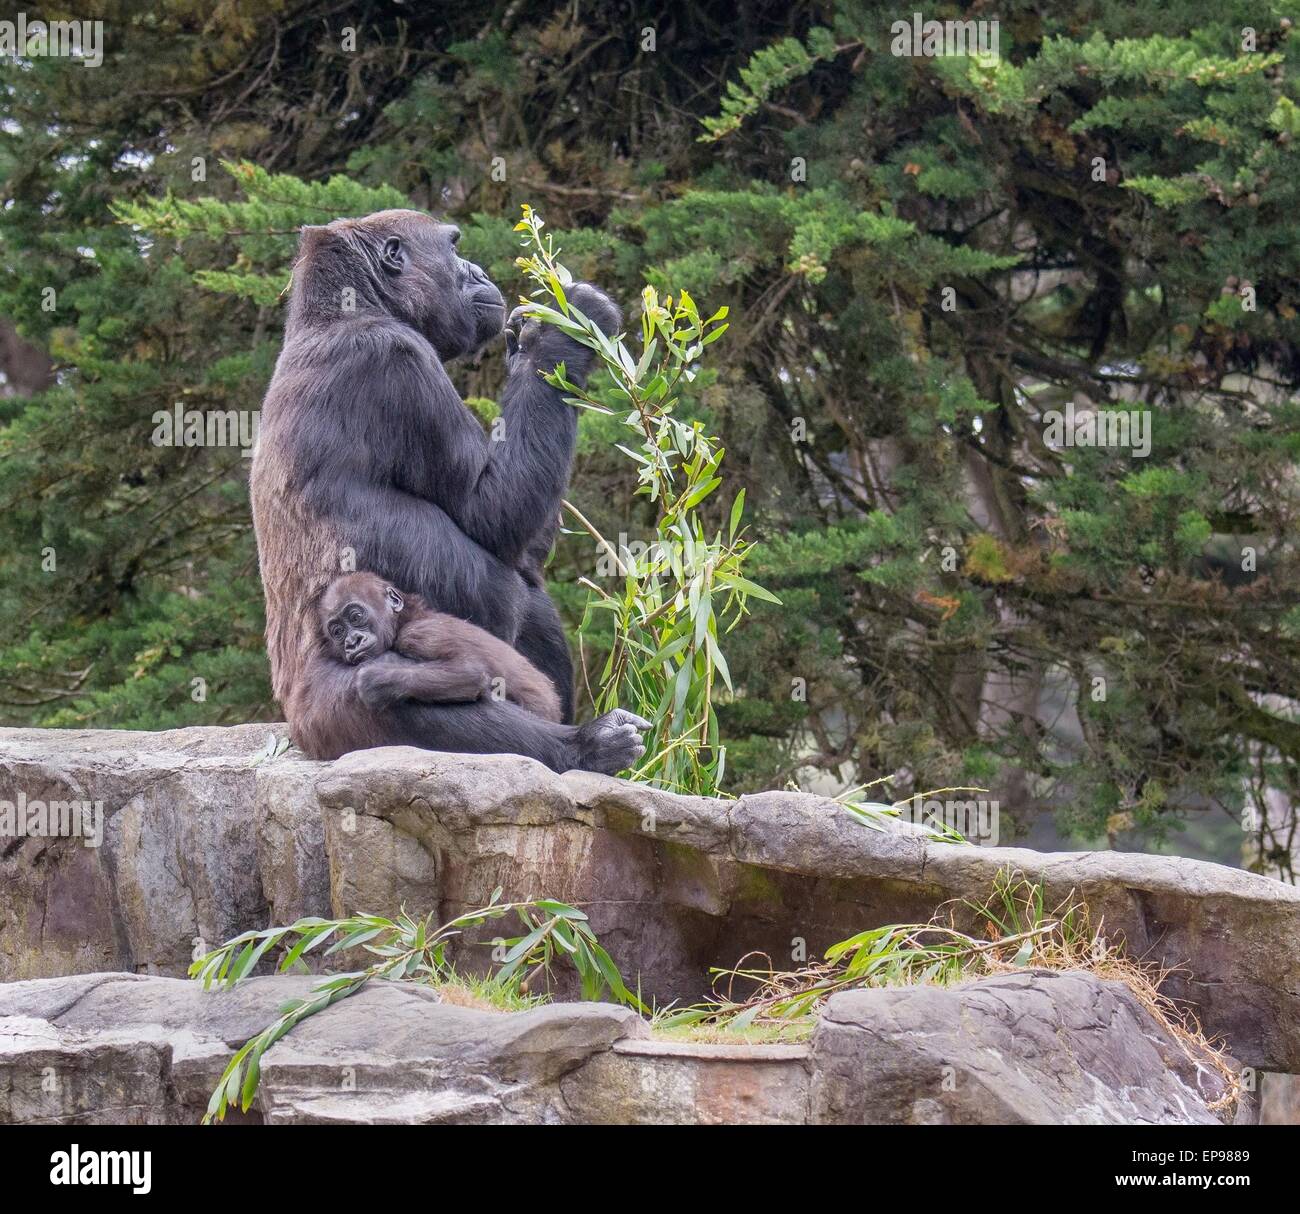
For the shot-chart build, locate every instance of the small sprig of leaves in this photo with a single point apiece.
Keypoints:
(874, 814)
(406, 949)
(273, 749)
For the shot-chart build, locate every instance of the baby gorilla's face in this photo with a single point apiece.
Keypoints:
(358, 616)
(352, 634)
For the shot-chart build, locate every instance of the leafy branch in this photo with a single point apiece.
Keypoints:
(406, 949)
(666, 660)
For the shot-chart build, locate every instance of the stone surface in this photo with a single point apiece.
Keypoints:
(1039, 1048)
(178, 860)
(1279, 1099)
(652, 1082)
(132, 1049)
(199, 846)
(290, 843)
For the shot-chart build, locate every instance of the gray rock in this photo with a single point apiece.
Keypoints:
(652, 1082)
(399, 1057)
(1034, 1047)
(199, 846)
(178, 861)
(290, 842)
(1038, 1048)
(131, 1049)
(1231, 938)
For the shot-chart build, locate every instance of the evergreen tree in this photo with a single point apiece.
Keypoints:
(924, 258)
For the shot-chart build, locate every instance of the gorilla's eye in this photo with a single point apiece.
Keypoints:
(356, 616)
(336, 629)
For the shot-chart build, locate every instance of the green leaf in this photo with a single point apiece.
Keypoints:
(350, 941)
(737, 509)
(701, 493)
(753, 589)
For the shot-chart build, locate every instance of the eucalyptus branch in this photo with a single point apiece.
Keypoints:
(404, 949)
(665, 662)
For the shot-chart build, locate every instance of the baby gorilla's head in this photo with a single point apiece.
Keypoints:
(359, 616)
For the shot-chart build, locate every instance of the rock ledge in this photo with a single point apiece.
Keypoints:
(198, 846)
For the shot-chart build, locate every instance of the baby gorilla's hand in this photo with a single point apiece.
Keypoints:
(543, 345)
(374, 683)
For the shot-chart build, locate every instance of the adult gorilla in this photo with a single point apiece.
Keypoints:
(368, 459)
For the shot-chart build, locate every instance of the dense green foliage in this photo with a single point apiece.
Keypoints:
(919, 257)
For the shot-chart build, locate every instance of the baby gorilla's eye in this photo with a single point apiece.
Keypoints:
(356, 616)
(336, 630)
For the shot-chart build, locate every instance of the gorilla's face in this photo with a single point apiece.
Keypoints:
(450, 300)
(358, 617)
(405, 263)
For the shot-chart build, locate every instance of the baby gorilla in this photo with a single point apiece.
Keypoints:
(379, 647)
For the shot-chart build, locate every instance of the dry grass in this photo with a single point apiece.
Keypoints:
(794, 1033)
(1073, 943)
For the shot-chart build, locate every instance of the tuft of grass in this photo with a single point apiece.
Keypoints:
(795, 1033)
(484, 993)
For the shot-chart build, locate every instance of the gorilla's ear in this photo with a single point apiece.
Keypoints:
(393, 258)
(394, 600)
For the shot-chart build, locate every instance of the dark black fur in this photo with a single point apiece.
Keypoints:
(365, 446)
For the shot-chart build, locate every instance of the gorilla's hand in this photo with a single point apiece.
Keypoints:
(542, 345)
(609, 743)
(379, 681)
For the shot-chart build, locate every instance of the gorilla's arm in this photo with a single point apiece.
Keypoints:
(608, 744)
(390, 678)
(381, 442)
(418, 436)
(336, 709)
(508, 489)
(504, 492)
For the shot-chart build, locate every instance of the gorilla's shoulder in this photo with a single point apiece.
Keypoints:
(359, 339)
